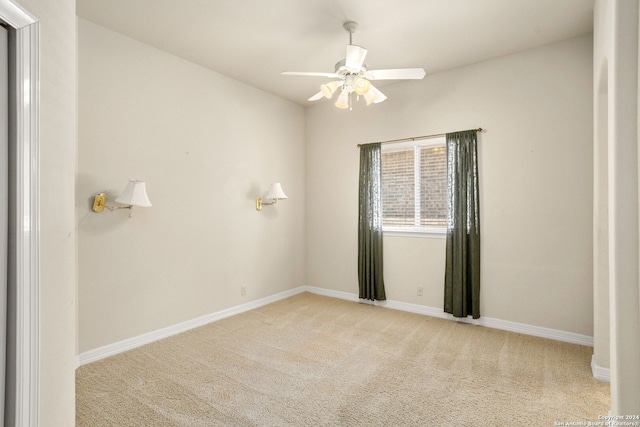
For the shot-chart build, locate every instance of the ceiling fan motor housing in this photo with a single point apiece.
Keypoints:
(342, 70)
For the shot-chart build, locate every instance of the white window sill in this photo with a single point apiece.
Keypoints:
(427, 233)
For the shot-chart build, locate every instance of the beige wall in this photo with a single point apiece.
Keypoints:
(532, 104)
(207, 146)
(535, 178)
(57, 184)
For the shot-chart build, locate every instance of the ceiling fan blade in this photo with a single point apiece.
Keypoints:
(355, 57)
(302, 73)
(397, 74)
(316, 97)
(379, 95)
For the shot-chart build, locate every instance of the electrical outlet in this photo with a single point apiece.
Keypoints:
(419, 291)
(243, 290)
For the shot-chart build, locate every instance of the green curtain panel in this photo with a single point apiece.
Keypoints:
(370, 280)
(462, 272)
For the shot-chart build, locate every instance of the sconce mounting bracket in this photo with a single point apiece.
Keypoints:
(99, 202)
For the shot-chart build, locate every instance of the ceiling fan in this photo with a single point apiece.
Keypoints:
(354, 76)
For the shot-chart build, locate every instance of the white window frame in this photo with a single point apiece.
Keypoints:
(417, 231)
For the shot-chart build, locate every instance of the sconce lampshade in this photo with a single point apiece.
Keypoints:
(135, 194)
(275, 192)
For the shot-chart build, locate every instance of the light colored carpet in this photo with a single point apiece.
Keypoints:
(311, 360)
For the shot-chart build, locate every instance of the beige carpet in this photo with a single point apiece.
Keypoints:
(311, 360)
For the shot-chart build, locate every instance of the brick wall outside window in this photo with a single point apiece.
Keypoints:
(433, 187)
(402, 205)
(398, 188)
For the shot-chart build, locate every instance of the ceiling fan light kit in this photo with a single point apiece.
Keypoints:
(354, 76)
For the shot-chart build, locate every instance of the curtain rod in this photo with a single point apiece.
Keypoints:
(413, 138)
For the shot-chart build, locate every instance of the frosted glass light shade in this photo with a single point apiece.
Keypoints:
(329, 89)
(379, 95)
(361, 85)
(135, 194)
(343, 100)
(370, 96)
(275, 192)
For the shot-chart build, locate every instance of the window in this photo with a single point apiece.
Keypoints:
(414, 187)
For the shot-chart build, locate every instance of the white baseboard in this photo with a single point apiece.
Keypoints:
(140, 340)
(489, 322)
(600, 373)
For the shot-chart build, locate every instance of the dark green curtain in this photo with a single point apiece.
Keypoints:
(462, 272)
(370, 280)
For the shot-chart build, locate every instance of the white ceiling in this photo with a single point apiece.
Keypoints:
(254, 40)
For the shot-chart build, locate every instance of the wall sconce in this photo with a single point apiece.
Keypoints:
(275, 193)
(135, 194)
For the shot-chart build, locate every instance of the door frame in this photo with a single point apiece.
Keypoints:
(27, 210)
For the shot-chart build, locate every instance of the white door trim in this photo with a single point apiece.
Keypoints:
(27, 30)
